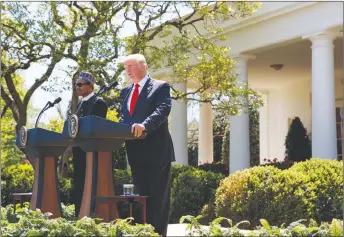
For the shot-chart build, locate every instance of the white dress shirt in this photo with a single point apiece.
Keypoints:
(142, 84)
(86, 98)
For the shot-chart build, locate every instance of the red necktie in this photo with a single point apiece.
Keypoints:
(134, 99)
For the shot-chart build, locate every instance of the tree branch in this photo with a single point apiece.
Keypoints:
(3, 111)
(39, 82)
(10, 104)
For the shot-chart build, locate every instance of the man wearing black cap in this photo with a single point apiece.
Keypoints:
(90, 104)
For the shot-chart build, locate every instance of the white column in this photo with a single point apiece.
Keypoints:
(179, 127)
(239, 140)
(205, 134)
(324, 138)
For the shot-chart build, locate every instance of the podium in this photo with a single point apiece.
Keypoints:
(98, 137)
(45, 146)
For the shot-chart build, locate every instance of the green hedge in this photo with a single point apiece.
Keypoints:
(311, 189)
(327, 175)
(19, 178)
(191, 190)
(15, 179)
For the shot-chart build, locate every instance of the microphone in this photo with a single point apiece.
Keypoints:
(46, 107)
(112, 85)
(56, 101)
(105, 89)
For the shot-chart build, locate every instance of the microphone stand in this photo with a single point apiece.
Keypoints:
(101, 91)
(46, 107)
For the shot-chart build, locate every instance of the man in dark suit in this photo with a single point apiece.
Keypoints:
(90, 104)
(146, 107)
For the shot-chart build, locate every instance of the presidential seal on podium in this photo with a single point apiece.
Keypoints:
(23, 136)
(73, 126)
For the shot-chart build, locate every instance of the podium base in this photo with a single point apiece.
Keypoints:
(44, 194)
(98, 182)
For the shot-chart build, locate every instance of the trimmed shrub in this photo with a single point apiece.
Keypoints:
(178, 169)
(215, 167)
(327, 176)
(282, 196)
(191, 190)
(236, 198)
(17, 178)
(297, 142)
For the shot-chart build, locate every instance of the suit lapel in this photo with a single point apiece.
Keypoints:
(126, 98)
(143, 94)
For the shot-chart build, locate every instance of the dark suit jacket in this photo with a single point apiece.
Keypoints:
(99, 109)
(152, 110)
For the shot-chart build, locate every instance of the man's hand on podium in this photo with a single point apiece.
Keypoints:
(137, 129)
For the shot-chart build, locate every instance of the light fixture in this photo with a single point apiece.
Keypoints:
(276, 67)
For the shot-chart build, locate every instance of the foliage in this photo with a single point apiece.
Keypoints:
(64, 186)
(55, 125)
(282, 196)
(327, 175)
(120, 155)
(297, 228)
(200, 58)
(220, 123)
(27, 39)
(216, 167)
(19, 179)
(94, 35)
(193, 143)
(35, 223)
(191, 190)
(254, 137)
(112, 115)
(225, 145)
(297, 142)
(285, 164)
(178, 169)
(10, 154)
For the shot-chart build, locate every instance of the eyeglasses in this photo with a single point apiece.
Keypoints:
(80, 84)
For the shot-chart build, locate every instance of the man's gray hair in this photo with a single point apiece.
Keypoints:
(137, 57)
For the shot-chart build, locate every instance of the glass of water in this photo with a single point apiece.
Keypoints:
(128, 189)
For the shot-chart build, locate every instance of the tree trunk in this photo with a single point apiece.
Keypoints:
(64, 164)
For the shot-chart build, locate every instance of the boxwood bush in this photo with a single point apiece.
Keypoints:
(16, 178)
(327, 176)
(191, 190)
(311, 189)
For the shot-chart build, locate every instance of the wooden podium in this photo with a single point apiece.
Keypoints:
(45, 146)
(98, 137)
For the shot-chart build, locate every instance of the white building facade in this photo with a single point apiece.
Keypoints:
(307, 39)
